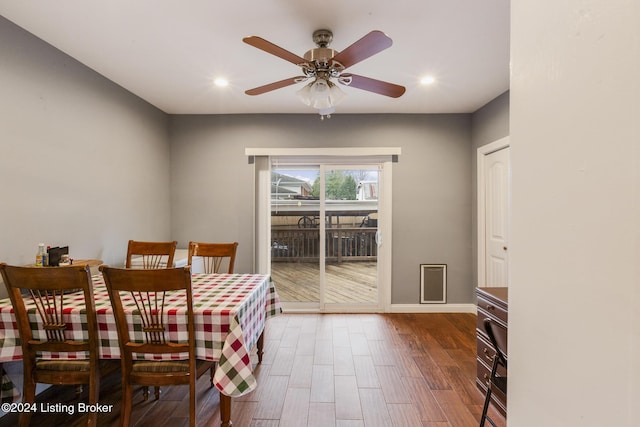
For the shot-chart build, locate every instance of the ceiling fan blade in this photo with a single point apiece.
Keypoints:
(374, 42)
(273, 49)
(372, 85)
(275, 85)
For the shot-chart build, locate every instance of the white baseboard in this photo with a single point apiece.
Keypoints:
(398, 308)
(433, 308)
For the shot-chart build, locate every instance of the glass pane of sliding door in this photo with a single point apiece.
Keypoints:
(295, 234)
(351, 225)
(324, 234)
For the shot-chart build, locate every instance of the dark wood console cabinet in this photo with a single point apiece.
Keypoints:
(492, 303)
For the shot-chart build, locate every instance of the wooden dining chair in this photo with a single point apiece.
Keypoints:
(147, 289)
(151, 254)
(216, 257)
(49, 289)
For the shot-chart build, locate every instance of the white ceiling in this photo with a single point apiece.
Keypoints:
(169, 51)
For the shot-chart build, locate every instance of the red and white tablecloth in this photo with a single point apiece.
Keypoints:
(230, 312)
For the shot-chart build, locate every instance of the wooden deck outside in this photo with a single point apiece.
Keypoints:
(347, 282)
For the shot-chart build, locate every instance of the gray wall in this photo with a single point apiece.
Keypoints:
(212, 184)
(83, 162)
(87, 164)
(488, 124)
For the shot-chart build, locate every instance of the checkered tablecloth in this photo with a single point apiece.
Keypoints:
(8, 392)
(230, 313)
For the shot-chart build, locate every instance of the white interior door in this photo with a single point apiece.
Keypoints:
(494, 178)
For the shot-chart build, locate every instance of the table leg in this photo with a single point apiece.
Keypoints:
(225, 410)
(260, 346)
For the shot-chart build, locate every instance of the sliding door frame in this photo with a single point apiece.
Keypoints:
(383, 156)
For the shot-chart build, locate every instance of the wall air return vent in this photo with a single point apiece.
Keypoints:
(433, 283)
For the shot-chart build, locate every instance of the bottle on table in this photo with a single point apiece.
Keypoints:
(41, 256)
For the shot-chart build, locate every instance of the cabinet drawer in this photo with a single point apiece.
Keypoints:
(485, 350)
(484, 372)
(492, 309)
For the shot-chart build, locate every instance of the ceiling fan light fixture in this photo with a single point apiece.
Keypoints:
(326, 112)
(304, 94)
(322, 95)
(336, 94)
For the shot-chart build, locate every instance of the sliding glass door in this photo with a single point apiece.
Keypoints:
(351, 226)
(295, 235)
(324, 236)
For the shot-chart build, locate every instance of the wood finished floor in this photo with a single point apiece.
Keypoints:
(342, 370)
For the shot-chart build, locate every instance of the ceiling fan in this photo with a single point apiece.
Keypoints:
(324, 66)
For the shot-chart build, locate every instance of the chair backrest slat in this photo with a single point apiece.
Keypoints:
(214, 255)
(152, 255)
(151, 306)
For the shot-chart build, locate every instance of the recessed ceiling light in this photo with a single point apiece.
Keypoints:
(221, 82)
(427, 80)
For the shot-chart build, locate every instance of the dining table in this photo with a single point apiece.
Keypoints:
(230, 313)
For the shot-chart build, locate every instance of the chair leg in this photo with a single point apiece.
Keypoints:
(487, 398)
(260, 346)
(212, 373)
(28, 396)
(485, 408)
(225, 410)
(192, 402)
(145, 393)
(125, 405)
(94, 392)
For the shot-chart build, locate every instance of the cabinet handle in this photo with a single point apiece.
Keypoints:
(490, 307)
(486, 354)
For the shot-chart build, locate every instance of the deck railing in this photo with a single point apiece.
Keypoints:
(342, 244)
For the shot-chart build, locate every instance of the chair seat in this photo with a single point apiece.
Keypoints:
(62, 365)
(160, 366)
(165, 366)
(72, 365)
